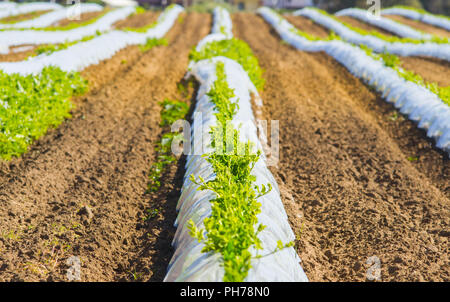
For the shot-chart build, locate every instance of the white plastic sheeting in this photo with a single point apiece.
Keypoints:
(188, 262)
(384, 23)
(55, 16)
(14, 10)
(19, 37)
(81, 55)
(418, 103)
(415, 15)
(440, 51)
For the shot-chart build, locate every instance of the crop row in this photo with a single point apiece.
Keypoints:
(422, 102)
(419, 15)
(101, 47)
(35, 94)
(376, 41)
(385, 23)
(231, 223)
(54, 16)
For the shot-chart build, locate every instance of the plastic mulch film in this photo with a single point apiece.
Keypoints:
(418, 103)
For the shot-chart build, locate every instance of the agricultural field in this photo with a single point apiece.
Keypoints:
(177, 145)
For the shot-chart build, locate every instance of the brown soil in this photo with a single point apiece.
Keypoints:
(357, 23)
(431, 69)
(308, 26)
(23, 17)
(83, 18)
(420, 26)
(17, 56)
(137, 21)
(81, 189)
(348, 187)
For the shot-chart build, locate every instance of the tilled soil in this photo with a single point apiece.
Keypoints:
(420, 25)
(348, 187)
(137, 20)
(81, 190)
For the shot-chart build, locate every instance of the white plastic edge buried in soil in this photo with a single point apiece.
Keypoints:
(55, 16)
(385, 23)
(18, 9)
(83, 54)
(20, 37)
(440, 51)
(415, 15)
(188, 263)
(420, 104)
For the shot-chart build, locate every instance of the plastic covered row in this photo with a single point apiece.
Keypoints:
(52, 17)
(419, 16)
(34, 37)
(189, 263)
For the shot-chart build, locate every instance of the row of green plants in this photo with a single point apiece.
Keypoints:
(30, 105)
(233, 225)
(391, 61)
(390, 39)
(233, 228)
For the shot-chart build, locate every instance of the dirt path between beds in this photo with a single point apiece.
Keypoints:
(420, 26)
(348, 187)
(80, 191)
